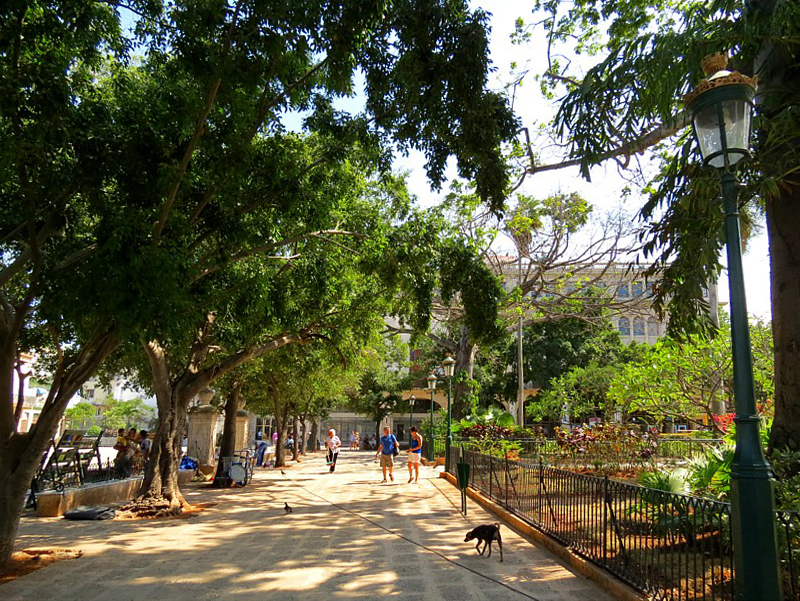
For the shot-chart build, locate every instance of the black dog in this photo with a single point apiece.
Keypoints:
(486, 534)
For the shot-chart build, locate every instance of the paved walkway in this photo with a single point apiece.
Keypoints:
(349, 536)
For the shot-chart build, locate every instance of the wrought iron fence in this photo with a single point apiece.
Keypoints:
(667, 545)
(76, 475)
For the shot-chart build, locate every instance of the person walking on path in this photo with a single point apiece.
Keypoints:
(414, 455)
(387, 451)
(332, 444)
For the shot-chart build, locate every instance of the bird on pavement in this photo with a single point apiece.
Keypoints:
(286, 508)
(283, 473)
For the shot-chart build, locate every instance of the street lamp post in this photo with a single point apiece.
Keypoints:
(721, 108)
(412, 399)
(432, 387)
(448, 364)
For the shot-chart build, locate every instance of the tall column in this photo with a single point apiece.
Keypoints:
(242, 430)
(202, 432)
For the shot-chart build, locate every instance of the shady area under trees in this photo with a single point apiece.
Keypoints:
(154, 204)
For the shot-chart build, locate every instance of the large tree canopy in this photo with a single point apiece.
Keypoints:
(636, 61)
(145, 158)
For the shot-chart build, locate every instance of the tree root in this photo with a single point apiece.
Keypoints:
(153, 506)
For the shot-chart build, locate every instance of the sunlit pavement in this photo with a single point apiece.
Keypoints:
(348, 536)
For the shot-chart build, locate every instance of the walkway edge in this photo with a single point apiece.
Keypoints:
(608, 582)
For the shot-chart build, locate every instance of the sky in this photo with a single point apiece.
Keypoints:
(605, 189)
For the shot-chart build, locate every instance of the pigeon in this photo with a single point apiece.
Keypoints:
(286, 508)
(283, 473)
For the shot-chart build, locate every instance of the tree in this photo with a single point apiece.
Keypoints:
(378, 393)
(557, 278)
(687, 379)
(580, 391)
(77, 416)
(125, 414)
(552, 348)
(647, 57)
(151, 162)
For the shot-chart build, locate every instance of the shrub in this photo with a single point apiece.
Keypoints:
(607, 447)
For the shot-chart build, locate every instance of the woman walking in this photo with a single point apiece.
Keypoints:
(332, 444)
(414, 454)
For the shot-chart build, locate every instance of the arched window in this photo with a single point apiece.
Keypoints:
(638, 326)
(624, 326)
(653, 327)
(622, 291)
(637, 289)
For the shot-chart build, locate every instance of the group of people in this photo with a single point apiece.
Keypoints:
(389, 448)
(131, 447)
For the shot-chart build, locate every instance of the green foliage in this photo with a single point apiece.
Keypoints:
(79, 414)
(493, 415)
(378, 391)
(94, 430)
(125, 414)
(683, 379)
(638, 59)
(710, 474)
(668, 481)
(606, 448)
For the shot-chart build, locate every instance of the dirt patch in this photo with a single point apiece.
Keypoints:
(161, 511)
(29, 560)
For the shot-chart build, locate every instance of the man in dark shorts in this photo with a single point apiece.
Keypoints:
(388, 443)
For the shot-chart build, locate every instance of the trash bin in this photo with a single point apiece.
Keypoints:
(462, 471)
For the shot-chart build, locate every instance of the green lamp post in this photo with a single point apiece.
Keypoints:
(431, 379)
(448, 365)
(411, 400)
(721, 107)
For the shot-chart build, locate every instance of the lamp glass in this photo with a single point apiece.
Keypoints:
(448, 364)
(431, 382)
(735, 126)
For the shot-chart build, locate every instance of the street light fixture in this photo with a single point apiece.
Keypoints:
(432, 387)
(721, 108)
(411, 400)
(448, 364)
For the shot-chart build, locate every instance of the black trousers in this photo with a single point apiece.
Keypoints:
(332, 457)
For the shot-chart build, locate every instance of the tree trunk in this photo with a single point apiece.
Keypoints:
(465, 362)
(21, 453)
(783, 223)
(296, 438)
(303, 436)
(161, 474)
(160, 493)
(13, 489)
(228, 443)
(314, 435)
(281, 425)
(779, 90)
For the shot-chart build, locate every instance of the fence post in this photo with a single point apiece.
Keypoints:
(605, 520)
(505, 480)
(539, 496)
(490, 477)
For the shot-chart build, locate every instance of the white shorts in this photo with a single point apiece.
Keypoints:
(414, 457)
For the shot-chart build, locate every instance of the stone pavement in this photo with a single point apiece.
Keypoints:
(349, 536)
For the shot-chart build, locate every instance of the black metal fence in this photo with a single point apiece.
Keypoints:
(667, 545)
(76, 475)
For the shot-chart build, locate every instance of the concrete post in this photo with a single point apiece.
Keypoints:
(242, 430)
(202, 430)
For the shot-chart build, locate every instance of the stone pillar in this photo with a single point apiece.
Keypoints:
(202, 431)
(242, 430)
